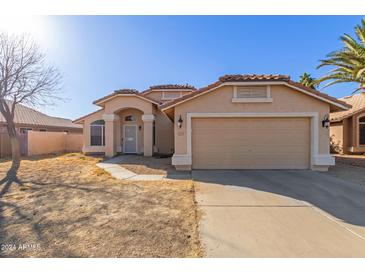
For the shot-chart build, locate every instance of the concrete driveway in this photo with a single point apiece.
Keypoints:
(280, 213)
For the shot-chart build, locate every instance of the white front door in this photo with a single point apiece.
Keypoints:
(130, 139)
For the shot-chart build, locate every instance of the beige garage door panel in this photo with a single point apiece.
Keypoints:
(251, 143)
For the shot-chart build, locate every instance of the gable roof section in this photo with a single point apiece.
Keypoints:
(124, 92)
(358, 104)
(257, 78)
(168, 87)
(26, 116)
(80, 119)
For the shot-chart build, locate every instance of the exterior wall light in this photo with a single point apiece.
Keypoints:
(325, 122)
(179, 122)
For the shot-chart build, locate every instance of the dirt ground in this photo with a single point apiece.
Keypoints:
(143, 165)
(350, 168)
(64, 206)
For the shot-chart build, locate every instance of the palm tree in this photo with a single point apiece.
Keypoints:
(307, 80)
(349, 62)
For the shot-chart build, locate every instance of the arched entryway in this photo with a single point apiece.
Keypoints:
(129, 130)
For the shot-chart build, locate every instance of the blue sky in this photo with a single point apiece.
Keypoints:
(99, 54)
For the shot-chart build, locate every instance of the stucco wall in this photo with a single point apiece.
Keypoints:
(164, 134)
(119, 103)
(53, 142)
(285, 99)
(74, 142)
(336, 134)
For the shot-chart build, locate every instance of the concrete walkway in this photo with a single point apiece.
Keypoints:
(279, 214)
(113, 167)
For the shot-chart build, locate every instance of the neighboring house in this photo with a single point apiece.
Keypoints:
(238, 122)
(26, 119)
(347, 129)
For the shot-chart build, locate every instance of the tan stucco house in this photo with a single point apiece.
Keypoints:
(347, 129)
(237, 122)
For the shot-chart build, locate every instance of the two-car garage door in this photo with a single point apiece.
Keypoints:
(250, 143)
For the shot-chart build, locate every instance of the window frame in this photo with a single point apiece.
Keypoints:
(24, 128)
(267, 99)
(133, 118)
(102, 126)
(358, 130)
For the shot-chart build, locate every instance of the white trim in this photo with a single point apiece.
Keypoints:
(263, 83)
(316, 158)
(268, 91)
(110, 117)
(358, 130)
(324, 160)
(164, 98)
(148, 117)
(124, 95)
(180, 160)
(124, 131)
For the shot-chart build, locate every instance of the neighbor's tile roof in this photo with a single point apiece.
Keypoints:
(27, 116)
(254, 78)
(358, 104)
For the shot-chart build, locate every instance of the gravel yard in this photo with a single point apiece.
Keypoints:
(64, 206)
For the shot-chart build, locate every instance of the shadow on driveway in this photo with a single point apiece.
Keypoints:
(339, 198)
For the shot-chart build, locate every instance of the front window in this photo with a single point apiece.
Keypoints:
(97, 133)
(362, 131)
(129, 118)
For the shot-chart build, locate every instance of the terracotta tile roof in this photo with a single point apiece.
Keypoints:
(173, 86)
(358, 104)
(253, 78)
(27, 116)
(126, 91)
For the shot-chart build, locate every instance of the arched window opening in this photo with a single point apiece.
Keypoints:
(97, 133)
(129, 118)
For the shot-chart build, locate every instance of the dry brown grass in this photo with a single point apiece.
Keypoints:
(71, 208)
(142, 165)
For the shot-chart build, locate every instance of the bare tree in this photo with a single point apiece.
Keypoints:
(24, 78)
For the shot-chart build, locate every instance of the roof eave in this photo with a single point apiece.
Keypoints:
(101, 101)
